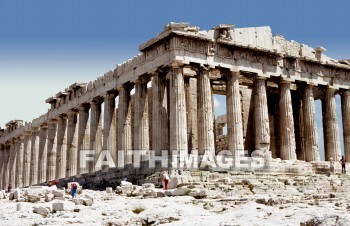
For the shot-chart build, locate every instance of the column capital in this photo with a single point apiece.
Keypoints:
(28, 133)
(63, 116)
(128, 86)
(110, 95)
(234, 74)
(84, 107)
(52, 121)
(260, 77)
(72, 112)
(345, 92)
(44, 126)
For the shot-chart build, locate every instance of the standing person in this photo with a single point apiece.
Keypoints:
(55, 182)
(9, 188)
(343, 162)
(166, 179)
(74, 188)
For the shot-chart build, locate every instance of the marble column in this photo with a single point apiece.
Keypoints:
(234, 115)
(177, 116)
(51, 150)
(206, 143)
(310, 127)
(6, 174)
(26, 158)
(124, 122)
(345, 109)
(95, 133)
(141, 128)
(109, 126)
(261, 115)
(19, 163)
(330, 126)
(286, 123)
(2, 157)
(160, 135)
(192, 115)
(34, 157)
(72, 143)
(42, 159)
(61, 153)
(83, 137)
(13, 161)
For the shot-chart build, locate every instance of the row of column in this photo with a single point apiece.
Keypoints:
(52, 151)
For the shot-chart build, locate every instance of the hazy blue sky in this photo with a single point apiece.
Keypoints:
(47, 45)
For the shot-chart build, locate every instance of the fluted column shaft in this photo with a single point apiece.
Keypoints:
(83, 138)
(192, 115)
(61, 154)
(2, 163)
(19, 163)
(345, 109)
(177, 116)
(42, 160)
(109, 127)
(310, 127)
(6, 175)
(51, 150)
(27, 158)
(95, 133)
(206, 143)
(331, 132)
(124, 122)
(261, 115)
(159, 114)
(34, 158)
(286, 123)
(72, 143)
(141, 129)
(234, 115)
(13, 161)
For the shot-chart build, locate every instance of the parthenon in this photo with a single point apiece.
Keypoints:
(162, 99)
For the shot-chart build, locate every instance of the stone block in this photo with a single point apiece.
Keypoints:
(58, 206)
(148, 185)
(168, 193)
(35, 190)
(17, 194)
(49, 197)
(180, 191)
(58, 193)
(42, 211)
(160, 194)
(109, 190)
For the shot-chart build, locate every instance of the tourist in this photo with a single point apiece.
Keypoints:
(55, 182)
(342, 161)
(166, 179)
(74, 188)
(9, 188)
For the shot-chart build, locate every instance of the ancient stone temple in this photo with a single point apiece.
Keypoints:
(162, 99)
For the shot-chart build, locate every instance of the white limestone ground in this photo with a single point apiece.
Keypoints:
(316, 200)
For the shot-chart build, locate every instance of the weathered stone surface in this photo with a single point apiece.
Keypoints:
(42, 211)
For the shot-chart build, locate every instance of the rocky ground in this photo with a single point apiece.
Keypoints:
(299, 200)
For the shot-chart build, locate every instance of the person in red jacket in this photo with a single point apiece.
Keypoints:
(343, 162)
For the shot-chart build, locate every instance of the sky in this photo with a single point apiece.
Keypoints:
(45, 46)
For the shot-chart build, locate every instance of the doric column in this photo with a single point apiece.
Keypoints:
(124, 122)
(159, 114)
(330, 126)
(234, 115)
(345, 110)
(6, 175)
(141, 128)
(13, 161)
(42, 159)
(2, 163)
(34, 158)
(51, 150)
(95, 133)
(206, 143)
(83, 137)
(19, 163)
(177, 116)
(109, 127)
(286, 123)
(192, 115)
(310, 127)
(261, 116)
(72, 143)
(61, 154)
(27, 158)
